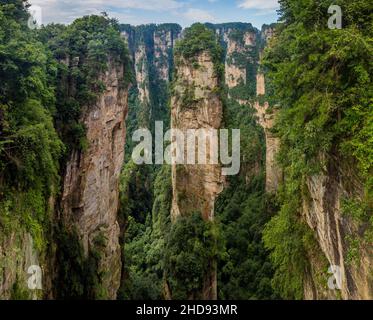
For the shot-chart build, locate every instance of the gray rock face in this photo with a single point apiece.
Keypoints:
(322, 209)
(196, 187)
(17, 255)
(267, 121)
(90, 197)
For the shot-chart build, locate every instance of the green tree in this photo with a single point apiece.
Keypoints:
(321, 80)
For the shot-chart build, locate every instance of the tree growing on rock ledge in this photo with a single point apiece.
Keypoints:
(196, 103)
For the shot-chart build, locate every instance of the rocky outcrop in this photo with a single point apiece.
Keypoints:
(26, 259)
(90, 191)
(337, 234)
(333, 228)
(17, 255)
(238, 54)
(142, 77)
(164, 42)
(151, 48)
(266, 119)
(268, 32)
(196, 186)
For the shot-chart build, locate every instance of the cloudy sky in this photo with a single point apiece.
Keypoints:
(184, 12)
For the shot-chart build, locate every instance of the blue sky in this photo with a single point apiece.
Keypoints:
(184, 12)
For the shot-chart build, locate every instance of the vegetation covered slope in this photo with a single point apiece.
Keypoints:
(318, 79)
(47, 76)
(153, 248)
(85, 50)
(322, 83)
(29, 145)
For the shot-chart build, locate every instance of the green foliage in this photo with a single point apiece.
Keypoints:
(356, 209)
(84, 49)
(144, 245)
(192, 246)
(246, 59)
(144, 115)
(29, 145)
(197, 39)
(361, 215)
(246, 272)
(70, 262)
(285, 235)
(78, 274)
(19, 292)
(327, 102)
(135, 191)
(40, 93)
(243, 208)
(321, 80)
(188, 98)
(146, 191)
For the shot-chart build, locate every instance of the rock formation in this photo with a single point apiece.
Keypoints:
(17, 255)
(335, 231)
(90, 192)
(195, 187)
(164, 41)
(333, 228)
(151, 48)
(142, 78)
(240, 41)
(267, 121)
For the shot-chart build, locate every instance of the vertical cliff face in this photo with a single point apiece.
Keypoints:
(195, 187)
(142, 77)
(26, 258)
(336, 232)
(164, 42)
(241, 43)
(17, 254)
(266, 119)
(196, 104)
(238, 52)
(339, 262)
(90, 195)
(151, 47)
(144, 201)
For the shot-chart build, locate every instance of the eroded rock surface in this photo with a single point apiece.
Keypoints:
(90, 197)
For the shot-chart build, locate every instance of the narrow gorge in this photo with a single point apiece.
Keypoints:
(80, 219)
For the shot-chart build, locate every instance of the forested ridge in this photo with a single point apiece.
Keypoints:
(56, 80)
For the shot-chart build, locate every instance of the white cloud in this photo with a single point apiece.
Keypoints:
(198, 15)
(155, 5)
(259, 4)
(65, 11)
